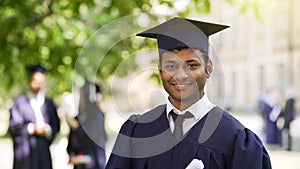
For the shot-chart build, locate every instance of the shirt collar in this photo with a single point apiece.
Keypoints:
(198, 109)
(39, 97)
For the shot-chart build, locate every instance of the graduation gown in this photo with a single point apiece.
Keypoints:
(31, 151)
(81, 143)
(271, 129)
(288, 113)
(90, 137)
(218, 140)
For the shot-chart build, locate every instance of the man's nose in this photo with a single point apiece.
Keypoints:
(182, 73)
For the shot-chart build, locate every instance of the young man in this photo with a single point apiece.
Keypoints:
(189, 131)
(33, 124)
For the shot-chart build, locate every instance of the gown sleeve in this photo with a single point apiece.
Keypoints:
(17, 124)
(120, 157)
(249, 152)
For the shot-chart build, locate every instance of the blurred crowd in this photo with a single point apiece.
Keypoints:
(34, 124)
(278, 112)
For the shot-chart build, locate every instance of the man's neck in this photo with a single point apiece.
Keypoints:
(182, 104)
(41, 93)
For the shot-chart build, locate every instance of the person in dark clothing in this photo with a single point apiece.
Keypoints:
(288, 115)
(188, 131)
(33, 124)
(87, 135)
(271, 110)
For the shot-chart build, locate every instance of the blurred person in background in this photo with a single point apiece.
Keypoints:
(287, 115)
(271, 110)
(261, 101)
(87, 135)
(33, 124)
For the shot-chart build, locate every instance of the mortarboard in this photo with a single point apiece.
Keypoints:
(178, 31)
(36, 68)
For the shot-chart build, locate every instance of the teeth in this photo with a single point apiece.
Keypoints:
(180, 86)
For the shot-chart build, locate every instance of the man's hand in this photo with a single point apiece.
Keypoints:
(40, 130)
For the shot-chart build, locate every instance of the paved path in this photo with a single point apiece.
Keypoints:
(59, 155)
(280, 159)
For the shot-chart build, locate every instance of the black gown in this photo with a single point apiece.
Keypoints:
(218, 140)
(90, 137)
(31, 151)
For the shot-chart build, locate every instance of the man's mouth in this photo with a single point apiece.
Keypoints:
(181, 86)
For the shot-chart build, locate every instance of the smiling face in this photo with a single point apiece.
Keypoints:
(183, 73)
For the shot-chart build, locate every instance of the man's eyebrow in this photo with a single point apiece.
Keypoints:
(170, 61)
(191, 60)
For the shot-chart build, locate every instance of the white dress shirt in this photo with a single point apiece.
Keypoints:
(198, 109)
(36, 102)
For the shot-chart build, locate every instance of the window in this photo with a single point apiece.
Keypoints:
(281, 78)
(261, 78)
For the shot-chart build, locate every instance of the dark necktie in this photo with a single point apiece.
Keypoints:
(178, 120)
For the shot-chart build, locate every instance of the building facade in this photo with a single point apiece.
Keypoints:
(258, 54)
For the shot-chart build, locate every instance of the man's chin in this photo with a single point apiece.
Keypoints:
(186, 99)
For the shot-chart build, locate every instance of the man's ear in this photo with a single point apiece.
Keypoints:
(159, 69)
(209, 68)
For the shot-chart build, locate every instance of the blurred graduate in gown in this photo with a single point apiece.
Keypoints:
(33, 124)
(287, 115)
(272, 110)
(87, 136)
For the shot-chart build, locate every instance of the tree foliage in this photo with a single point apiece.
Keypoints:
(53, 34)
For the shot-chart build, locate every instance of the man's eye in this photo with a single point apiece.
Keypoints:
(170, 67)
(192, 65)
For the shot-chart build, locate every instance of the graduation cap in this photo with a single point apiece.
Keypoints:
(36, 68)
(180, 31)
